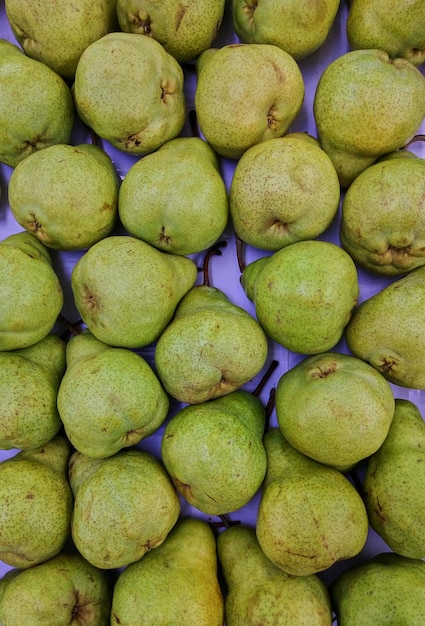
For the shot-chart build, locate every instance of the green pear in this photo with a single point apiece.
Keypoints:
(387, 330)
(282, 191)
(57, 33)
(130, 92)
(214, 452)
(393, 483)
(29, 382)
(366, 105)
(259, 592)
(108, 399)
(46, 114)
(399, 28)
(32, 295)
(211, 347)
(66, 195)
(309, 516)
(185, 30)
(132, 506)
(303, 294)
(246, 94)
(175, 199)
(334, 408)
(299, 28)
(126, 290)
(176, 583)
(387, 589)
(371, 229)
(36, 504)
(64, 590)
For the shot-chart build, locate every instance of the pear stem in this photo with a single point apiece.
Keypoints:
(72, 328)
(273, 365)
(225, 522)
(215, 250)
(239, 253)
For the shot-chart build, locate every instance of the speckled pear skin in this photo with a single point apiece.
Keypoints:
(108, 399)
(398, 29)
(133, 506)
(36, 504)
(261, 82)
(120, 265)
(378, 240)
(56, 35)
(214, 452)
(335, 408)
(164, 194)
(27, 314)
(310, 516)
(48, 117)
(388, 109)
(261, 593)
(303, 294)
(212, 347)
(387, 330)
(393, 483)
(174, 584)
(185, 31)
(67, 195)
(63, 590)
(387, 589)
(29, 382)
(282, 191)
(299, 28)
(105, 98)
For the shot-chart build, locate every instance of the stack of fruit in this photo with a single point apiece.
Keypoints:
(212, 327)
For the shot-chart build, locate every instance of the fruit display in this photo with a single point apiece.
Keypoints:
(212, 313)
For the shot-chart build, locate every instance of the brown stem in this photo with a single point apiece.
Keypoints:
(273, 365)
(215, 250)
(72, 328)
(225, 522)
(239, 253)
(414, 140)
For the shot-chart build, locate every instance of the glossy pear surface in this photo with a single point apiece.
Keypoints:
(135, 116)
(299, 28)
(109, 399)
(334, 408)
(126, 290)
(261, 82)
(185, 31)
(303, 294)
(211, 348)
(387, 330)
(64, 590)
(174, 584)
(66, 195)
(387, 110)
(48, 115)
(310, 516)
(133, 506)
(36, 504)
(387, 589)
(56, 34)
(282, 191)
(259, 592)
(394, 483)
(29, 382)
(32, 295)
(175, 199)
(214, 453)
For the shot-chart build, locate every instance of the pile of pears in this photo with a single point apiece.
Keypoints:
(212, 313)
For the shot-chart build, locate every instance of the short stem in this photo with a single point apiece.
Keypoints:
(216, 251)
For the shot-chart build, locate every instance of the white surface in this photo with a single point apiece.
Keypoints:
(225, 273)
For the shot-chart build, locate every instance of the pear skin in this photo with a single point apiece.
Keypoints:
(258, 592)
(393, 483)
(310, 516)
(174, 584)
